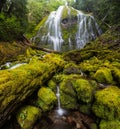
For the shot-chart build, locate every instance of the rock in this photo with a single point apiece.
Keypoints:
(116, 74)
(27, 116)
(84, 90)
(71, 68)
(67, 93)
(103, 75)
(114, 124)
(107, 103)
(46, 98)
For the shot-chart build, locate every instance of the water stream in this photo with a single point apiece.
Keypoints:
(60, 111)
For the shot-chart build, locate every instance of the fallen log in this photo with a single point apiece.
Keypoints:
(28, 43)
(19, 83)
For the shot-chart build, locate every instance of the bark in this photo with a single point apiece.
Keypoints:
(2, 2)
(19, 83)
(29, 44)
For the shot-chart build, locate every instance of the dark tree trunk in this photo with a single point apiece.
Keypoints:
(2, 2)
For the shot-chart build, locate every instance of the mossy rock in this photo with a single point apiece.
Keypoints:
(67, 101)
(90, 66)
(68, 94)
(84, 90)
(116, 74)
(85, 108)
(27, 116)
(71, 68)
(104, 75)
(114, 124)
(52, 85)
(107, 103)
(46, 98)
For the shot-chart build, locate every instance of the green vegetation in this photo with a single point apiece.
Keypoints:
(13, 19)
(107, 103)
(115, 124)
(46, 99)
(27, 116)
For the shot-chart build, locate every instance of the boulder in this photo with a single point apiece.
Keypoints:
(27, 116)
(107, 103)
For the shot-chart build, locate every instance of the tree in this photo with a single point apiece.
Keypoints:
(106, 11)
(13, 19)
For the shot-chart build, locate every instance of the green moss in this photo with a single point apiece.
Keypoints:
(71, 68)
(19, 83)
(85, 108)
(107, 103)
(84, 90)
(103, 75)
(67, 101)
(52, 85)
(91, 65)
(115, 124)
(27, 116)
(68, 94)
(116, 74)
(47, 97)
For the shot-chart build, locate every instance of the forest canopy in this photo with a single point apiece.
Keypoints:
(18, 17)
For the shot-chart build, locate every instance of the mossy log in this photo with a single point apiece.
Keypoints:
(19, 83)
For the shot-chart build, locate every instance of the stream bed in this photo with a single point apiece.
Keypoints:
(52, 120)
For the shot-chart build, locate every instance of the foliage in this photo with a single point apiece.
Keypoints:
(13, 19)
(10, 28)
(106, 11)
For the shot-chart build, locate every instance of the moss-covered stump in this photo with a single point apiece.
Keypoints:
(27, 116)
(17, 84)
(46, 99)
(107, 103)
(114, 124)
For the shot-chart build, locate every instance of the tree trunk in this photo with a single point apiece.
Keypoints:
(2, 2)
(19, 83)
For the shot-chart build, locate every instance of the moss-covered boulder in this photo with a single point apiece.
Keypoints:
(27, 116)
(107, 103)
(68, 96)
(103, 75)
(84, 90)
(52, 85)
(46, 98)
(114, 124)
(116, 74)
(71, 68)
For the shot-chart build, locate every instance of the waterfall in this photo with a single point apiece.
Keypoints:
(66, 29)
(60, 111)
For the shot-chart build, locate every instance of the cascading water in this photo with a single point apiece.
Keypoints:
(60, 111)
(66, 29)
